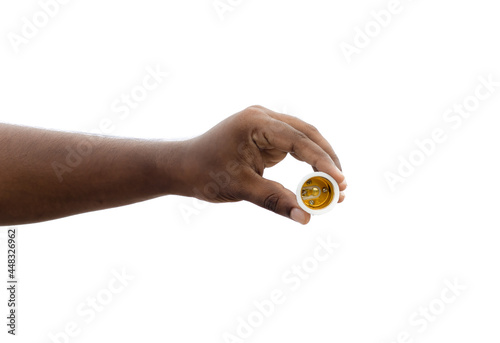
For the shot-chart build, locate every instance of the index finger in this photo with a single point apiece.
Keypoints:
(287, 138)
(311, 131)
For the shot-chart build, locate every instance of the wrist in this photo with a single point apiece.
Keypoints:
(173, 168)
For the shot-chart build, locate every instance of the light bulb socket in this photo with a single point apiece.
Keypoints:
(317, 193)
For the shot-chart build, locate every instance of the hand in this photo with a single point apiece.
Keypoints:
(227, 162)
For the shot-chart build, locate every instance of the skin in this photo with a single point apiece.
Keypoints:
(49, 174)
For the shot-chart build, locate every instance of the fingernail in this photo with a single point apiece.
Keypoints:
(298, 215)
(342, 195)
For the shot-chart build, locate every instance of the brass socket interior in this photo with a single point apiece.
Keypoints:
(317, 193)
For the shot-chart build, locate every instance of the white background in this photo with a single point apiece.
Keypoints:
(193, 279)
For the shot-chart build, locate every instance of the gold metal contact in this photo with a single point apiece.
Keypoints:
(317, 193)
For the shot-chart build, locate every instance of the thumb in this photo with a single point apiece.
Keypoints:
(275, 197)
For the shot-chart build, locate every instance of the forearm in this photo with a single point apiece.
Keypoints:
(49, 174)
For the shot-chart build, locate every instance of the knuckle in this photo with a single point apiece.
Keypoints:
(254, 110)
(251, 114)
(312, 128)
(272, 201)
(276, 126)
(299, 135)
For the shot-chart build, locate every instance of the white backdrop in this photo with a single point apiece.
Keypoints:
(413, 262)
